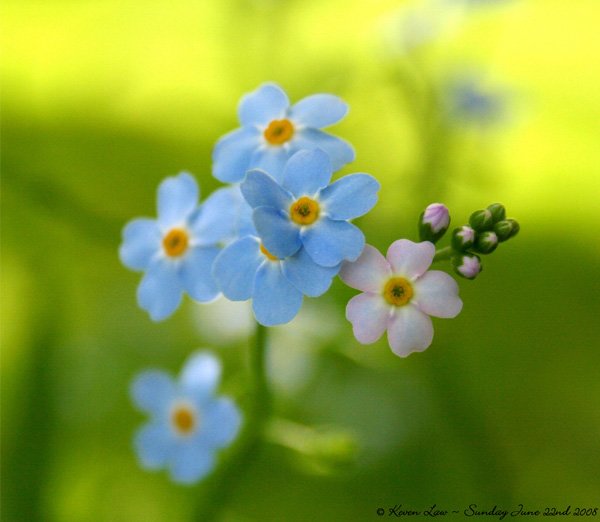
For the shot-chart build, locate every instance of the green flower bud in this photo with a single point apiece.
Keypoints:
(481, 220)
(503, 229)
(433, 222)
(486, 242)
(463, 238)
(498, 212)
(467, 265)
(515, 228)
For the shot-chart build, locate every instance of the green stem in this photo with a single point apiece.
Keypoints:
(443, 254)
(219, 488)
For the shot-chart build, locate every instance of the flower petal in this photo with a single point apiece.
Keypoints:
(217, 218)
(153, 391)
(306, 172)
(141, 242)
(280, 236)
(232, 153)
(259, 107)
(330, 242)
(436, 293)
(153, 445)
(221, 422)
(191, 461)
(177, 199)
(275, 300)
(319, 110)
(270, 159)
(368, 273)
(410, 259)
(311, 279)
(340, 152)
(160, 291)
(350, 197)
(409, 330)
(235, 267)
(261, 190)
(196, 273)
(369, 315)
(200, 375)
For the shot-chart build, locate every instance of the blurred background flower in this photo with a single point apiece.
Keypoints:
(102, 100)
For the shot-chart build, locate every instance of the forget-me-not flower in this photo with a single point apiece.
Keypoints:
(305, 211)
(399, 295)
(246, 269)
(272, 131)
(188, 423)
(177, 250)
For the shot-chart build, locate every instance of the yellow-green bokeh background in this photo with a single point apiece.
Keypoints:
(103, 99)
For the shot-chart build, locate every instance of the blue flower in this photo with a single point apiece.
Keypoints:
(469, 102)
(272, 131)
(187, 422)
(306, 211)
(246, 269)
(176, 251)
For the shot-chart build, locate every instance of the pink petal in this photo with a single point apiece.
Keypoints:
(410, 259)
(368, 272)
(436, 293)
(409, 330)
(369, 315)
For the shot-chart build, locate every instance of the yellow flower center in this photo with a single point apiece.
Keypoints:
(279, 131)
(183, 418)
(176, 242)
(268, 254)
(305, 211)
(398, 291)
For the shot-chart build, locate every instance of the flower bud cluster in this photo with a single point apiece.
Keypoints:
(486, 230)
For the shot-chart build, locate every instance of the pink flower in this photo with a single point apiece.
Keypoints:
(399, 295)
(437, 216)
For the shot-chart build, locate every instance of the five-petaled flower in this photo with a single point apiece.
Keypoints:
(272, 131)
(399, 295)
(246, 269)
(177, 250)
(188, 423)
(305, 211)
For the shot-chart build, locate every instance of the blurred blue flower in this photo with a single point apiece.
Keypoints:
(468, 102)
(306, 211)
(188, 423)
(246, 269)
(176, 251)
(272, 131)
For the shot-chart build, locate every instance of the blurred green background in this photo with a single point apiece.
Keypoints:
(102, 100)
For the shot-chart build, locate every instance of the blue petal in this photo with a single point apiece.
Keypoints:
(160, 291)
(319, 110)
(141, 242)
(311, 279)
(196, 274)
(272, 160)
(350, 196)
(275, 300)
(279, 235)
(221, 422)
(340, 152)
(235, 268)
(191, 461)
(307, 172)
(154, 445)
(261, 190)
(268, 102)
(217, 218)
(330, 242)
(177, 199)
(153, 391)
(200, 376)
(232, 153)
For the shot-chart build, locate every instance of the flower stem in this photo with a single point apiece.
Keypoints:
(443, 254)
(218, 489)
